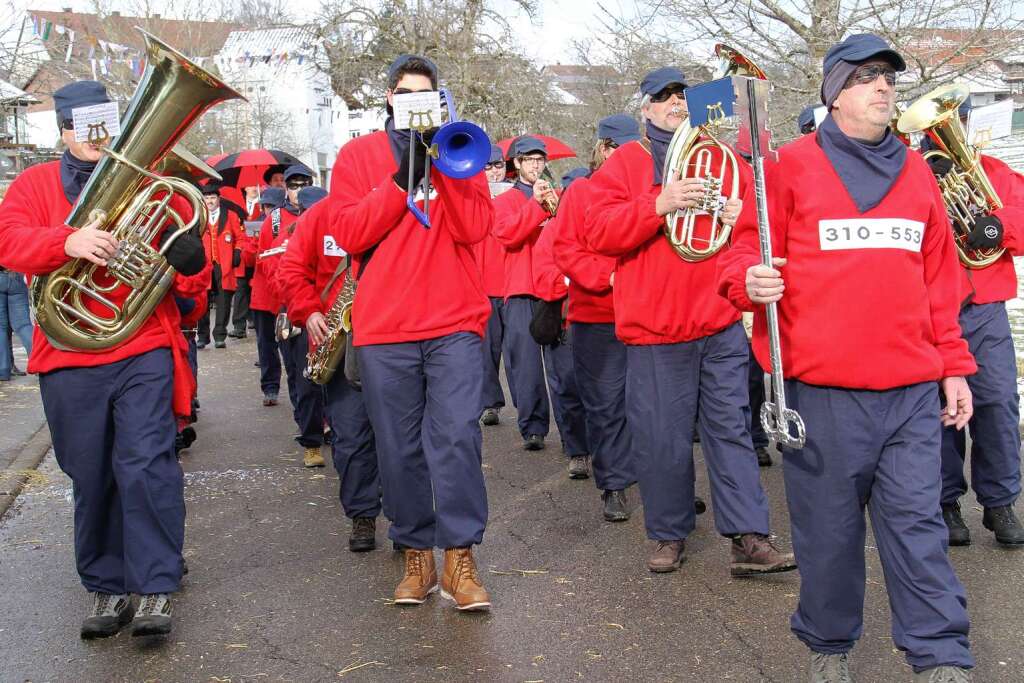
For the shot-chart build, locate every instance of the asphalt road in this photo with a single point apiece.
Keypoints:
(275, 595)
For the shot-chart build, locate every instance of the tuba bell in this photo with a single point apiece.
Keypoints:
(85, 307)
(692, 153)
(966, 189)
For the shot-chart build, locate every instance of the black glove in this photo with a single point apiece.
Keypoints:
(236, 258)
(419, 163)
(186, 255)
(987, 233)
(940, 165)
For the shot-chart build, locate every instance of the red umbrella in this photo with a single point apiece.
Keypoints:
(247, 167)
(556, 148)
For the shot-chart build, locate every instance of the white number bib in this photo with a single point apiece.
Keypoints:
(870, 233)
(331, 248)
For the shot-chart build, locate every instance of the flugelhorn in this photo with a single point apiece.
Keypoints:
(82, 306)
(966, 189)
(692, 154)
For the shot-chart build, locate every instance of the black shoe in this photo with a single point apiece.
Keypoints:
(201, 345)
(184, 567)
(364, 535)
(16, 372)
(959, 534)
(579, 467)
(1004, 523)
(490, 417)
(153, 618)
(616, 506)
(699, 506)
(764, 458)
(534, 442)
(220, 345)
(235, 334)
(269, 400)
(110, 613)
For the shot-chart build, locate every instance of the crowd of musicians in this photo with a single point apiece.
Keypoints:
(891, 348)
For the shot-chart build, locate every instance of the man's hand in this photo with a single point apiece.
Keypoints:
(731, 212)
(959, 403)
(91, 243)
(764, 284)
(544, 194)
(316, 325)
(679, 194)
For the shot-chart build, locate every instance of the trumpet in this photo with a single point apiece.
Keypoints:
(544, 183)
(690, 156)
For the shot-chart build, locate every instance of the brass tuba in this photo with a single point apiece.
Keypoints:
(322, 363)
(687, 150)
(966, 190)
(82, 306)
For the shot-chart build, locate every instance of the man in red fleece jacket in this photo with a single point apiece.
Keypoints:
(111, 412)
(310, 275)
(599, 356)
(419, 318)
(519, 217)
(490, 257)
(868, 301)
(686, 352)
(995, 426)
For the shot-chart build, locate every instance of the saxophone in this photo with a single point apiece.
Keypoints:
(322, 363)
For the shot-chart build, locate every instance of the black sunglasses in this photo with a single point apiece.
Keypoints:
(664, 95)
(297, 186)
(495, 164)
(407, 91)
(867, 73)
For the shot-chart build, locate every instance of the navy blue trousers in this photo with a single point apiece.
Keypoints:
(672, 389)
(879, 450)
(600, 361)
(113, 434)
(193, 353)
(995, 426)
(423, 399)
(493, 396)
(756, 384)
(570, 415)
(352, 448)
(267, 353)
(307, 398)
(524, 367)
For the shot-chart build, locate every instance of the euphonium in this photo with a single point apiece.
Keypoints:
(82, 306)
(692, 155)
(322, 363)
(966, 190)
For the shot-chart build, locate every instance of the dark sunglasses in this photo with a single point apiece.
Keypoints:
(406, 91)
(298, 185)
(867, 73)
(495, 164)
(667, 93)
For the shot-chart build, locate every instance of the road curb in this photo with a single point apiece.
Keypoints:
(13, 478)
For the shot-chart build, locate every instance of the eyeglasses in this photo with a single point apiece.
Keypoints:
(407, 91)
(495, 164)
(532, 160)
(667, 93)
(867, 73)
(610, 144)
(298, 185)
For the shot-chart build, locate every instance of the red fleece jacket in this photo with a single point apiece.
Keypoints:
(589, 273)
(420, 283)
(518, 220)
(873, 310)
(262, 298)
(308, 265)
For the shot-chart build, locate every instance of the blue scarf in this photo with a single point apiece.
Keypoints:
(660, 140)
(867, 170)
(73, 174)
(293, 210)
(398, 139)
(524, 188)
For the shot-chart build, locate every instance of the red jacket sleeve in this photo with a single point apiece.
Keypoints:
(620, 220)
(469, 209)
(548, 280)
(296, 270)
(585, 268)
(744, 250)
(363, 211)
(942, 277)
(514, 225)
(27, 246)
(192, 286)
(1009, 185)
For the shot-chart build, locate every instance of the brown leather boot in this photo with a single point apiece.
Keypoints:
(460, 583)
(420, 578)
(666, 556)
(754, 554)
